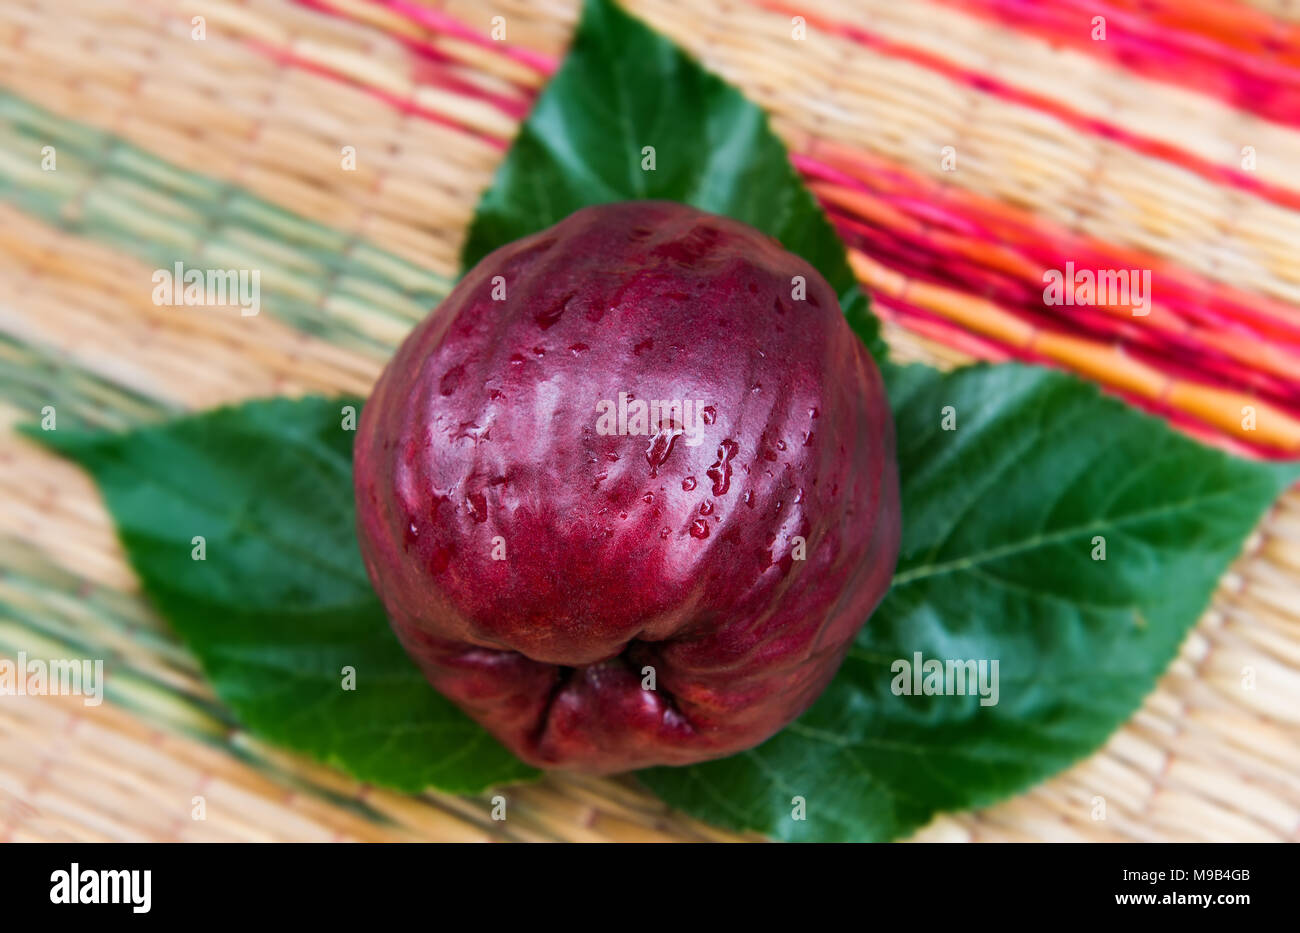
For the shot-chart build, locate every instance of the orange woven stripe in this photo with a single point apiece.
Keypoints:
(1106, 363)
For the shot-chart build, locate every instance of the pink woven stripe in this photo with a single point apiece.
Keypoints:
(1218, 174)
(934, 327)
(286, 56)
(437, 21)
(1204, 332)
(947, 235)
(1253, 67)
(435, 67)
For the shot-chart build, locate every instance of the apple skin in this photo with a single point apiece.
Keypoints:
(535, 568)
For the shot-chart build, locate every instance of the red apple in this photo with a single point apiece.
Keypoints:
(629, 493)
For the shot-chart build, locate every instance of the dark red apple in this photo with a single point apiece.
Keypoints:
(607, 584)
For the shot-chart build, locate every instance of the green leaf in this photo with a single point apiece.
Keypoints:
(1000, 521)
(623, 87)
(281, 604)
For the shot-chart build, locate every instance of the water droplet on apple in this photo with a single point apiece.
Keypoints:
(553, 312)
(661, 446)
(451, 380)
(720, 471)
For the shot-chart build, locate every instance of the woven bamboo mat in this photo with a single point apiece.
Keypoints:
(226, 151)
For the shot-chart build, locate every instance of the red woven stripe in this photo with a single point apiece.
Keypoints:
(285, 56)
(1247, 63)
(1218, 174)
(1205, 332)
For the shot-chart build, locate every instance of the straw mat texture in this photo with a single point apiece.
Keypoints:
(226, 151)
